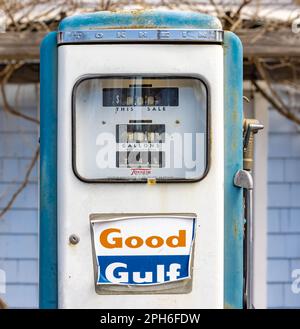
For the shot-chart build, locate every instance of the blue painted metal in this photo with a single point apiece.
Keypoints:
(48, 172)
(139, 19)
(233, 116)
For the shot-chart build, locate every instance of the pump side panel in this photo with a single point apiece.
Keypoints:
(233, 117)
(48, 171)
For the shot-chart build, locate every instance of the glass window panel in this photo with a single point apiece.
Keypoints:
(135, 128)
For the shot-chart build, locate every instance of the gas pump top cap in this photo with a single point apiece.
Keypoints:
(140, 26)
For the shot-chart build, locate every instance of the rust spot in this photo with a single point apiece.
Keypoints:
(228, 306)
(233, 146)
(138, 20)
(122, 11)
(226, 48)
(133, 26)
(235, 231)
(137, 12)
(234, 116)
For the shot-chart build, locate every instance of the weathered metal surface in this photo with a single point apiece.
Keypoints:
(233, 142)
(243, 179)
(48, 169)
(141, 36)
(233, 116)
(139, 19)
(48, 173)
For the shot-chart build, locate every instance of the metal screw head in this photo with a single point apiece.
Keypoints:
(74, 239)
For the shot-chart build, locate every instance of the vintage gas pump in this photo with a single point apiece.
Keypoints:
(141, 139)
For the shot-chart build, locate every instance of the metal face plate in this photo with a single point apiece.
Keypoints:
(78, 200)
(141, 35)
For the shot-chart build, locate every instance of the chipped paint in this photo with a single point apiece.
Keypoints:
(48, 173)
(139, 19)
(233, 95)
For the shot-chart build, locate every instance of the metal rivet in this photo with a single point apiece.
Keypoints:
(74, 239)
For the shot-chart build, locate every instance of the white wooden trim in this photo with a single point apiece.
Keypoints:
(260, 202)
(258, 108)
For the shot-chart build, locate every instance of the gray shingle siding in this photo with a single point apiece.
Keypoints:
(283, 211)
(19, 226)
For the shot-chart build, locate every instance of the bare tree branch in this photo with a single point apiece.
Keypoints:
(277, 100)
(10, 68)
(22, 185)
(217, 9)
(2, 304)
(282, 110)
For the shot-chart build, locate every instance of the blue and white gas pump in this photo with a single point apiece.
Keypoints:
(141, 200)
